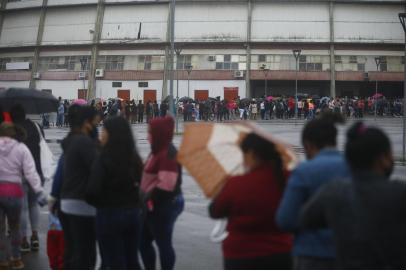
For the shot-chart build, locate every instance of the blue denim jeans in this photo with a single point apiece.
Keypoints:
(118, 233)
(10, 208)
(158, 227)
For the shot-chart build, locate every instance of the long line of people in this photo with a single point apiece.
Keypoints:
(333, 211)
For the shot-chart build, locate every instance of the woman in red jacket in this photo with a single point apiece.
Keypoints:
(249, 202)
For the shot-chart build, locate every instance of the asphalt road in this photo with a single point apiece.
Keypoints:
(191, 238)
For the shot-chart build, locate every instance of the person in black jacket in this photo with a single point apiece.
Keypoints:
(366, 213)
(141, 110)
(113, 189)
(30, 212)
(78, 219)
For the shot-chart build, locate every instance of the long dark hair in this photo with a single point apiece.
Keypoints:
(120, 154)
(265, 151)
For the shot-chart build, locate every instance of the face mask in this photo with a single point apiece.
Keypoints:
(388, 171)
(94, 133)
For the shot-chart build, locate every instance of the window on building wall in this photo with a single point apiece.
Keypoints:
(184, 61)
(262, 58)
(230, 62)
(361, 67)
(110, 62)
(338, 59)
(70, 63)
(311, 63)
(383, 66)
(353, 59)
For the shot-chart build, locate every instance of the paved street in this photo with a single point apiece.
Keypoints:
(192, 243)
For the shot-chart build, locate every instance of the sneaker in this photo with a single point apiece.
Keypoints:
(16, 264)
(25, 246)
(34, 243)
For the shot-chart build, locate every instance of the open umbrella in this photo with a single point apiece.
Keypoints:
(377, 95)
(269, 98)
(185, 99)
(211, 152)
(80, 102)
(33, 101)
(324, 100)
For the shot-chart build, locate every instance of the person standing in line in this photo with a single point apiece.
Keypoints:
(163, 108)
(149, 111)
(249, 202)
(134, 112)
(60, 115)
(156, 109)
(162, 195)
(113, 189)
(141, 110)
(30, 211)
(313, 249)
(78, 219)
(366, 212)
(262, 110)
(16, 162)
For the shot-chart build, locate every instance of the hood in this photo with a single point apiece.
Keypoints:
(6, 145)
(161, 132)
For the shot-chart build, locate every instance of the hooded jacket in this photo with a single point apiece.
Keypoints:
(17, 162)
(162, 175)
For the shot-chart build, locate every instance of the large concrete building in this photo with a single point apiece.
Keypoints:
(110, 48)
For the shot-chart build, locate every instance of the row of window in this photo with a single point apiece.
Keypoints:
(217, 62)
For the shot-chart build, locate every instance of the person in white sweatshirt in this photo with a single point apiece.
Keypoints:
(16, 162)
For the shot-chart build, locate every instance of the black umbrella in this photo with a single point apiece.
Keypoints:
(245, 100)
(185, 99)
(33, 101)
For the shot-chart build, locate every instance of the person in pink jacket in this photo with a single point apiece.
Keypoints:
(16, 162)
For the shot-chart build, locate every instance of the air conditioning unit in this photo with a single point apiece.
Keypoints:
(238, 74)
(99, 73)
(212, 58)
(82, 75)
(366, 76)
(36, 75)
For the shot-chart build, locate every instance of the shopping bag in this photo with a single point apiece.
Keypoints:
(55, 243)
(48, 164)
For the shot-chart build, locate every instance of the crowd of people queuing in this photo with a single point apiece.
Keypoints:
(215, 109)
(285, 108)
(333, 211)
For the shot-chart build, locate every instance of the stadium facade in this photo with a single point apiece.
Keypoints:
(110, 48)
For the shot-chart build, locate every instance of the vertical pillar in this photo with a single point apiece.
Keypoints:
(167, 56)
(91, 92)
(332, 53)
(248, 48)
(40, 33)
(3, 4)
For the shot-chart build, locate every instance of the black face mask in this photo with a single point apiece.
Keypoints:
(388, 171)
(94, 133)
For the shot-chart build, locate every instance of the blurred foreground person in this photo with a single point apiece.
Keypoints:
(16, 162)
(367, 213)
(249, 202)
(163, 199)
(313, 249)
(78, 219)
(113, 189)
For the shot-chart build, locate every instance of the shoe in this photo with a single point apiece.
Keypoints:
(4, 266)
(34, 243)
(25, 246)
(16, 264)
